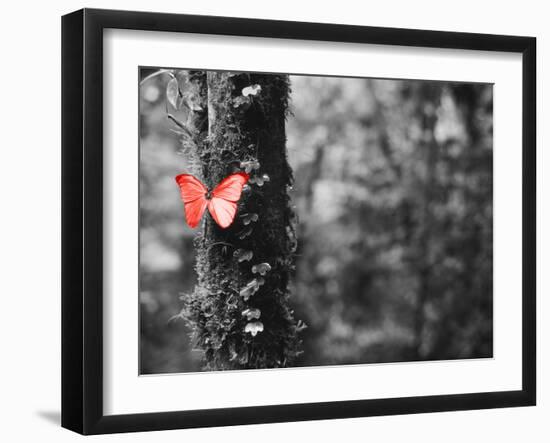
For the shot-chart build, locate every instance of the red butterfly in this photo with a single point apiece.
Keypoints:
(221, 202)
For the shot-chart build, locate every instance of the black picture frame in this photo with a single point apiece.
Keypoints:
(82, 220)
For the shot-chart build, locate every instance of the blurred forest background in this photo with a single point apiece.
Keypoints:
(393, 191)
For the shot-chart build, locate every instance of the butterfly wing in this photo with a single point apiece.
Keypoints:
(194, 211)
(222, 211)
(193, 194)
(223, 205)
(231, 187)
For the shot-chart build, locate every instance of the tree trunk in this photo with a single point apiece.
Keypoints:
(428, 103)
(240, 316)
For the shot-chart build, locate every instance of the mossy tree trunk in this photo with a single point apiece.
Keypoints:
(240, 312)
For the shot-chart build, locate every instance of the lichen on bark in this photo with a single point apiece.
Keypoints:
(245, 128)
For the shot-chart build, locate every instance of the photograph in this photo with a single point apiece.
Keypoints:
(295, 220)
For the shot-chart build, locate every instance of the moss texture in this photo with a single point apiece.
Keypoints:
(246, 129)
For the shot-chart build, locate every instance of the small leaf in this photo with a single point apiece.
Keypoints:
(291, 235)
(261, 268)
(245, 232)
(251, 288)
(250, 165)
(251, 314)
(173, 92)
(259, 180)
(248, 290)
(251, 90)
(179, 124)
(254, 327)
(300, 326)
(248, 218)
(243, 255)
(241, 102)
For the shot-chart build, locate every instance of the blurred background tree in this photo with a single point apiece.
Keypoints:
(393, 191)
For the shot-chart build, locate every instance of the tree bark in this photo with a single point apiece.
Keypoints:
(241, 318)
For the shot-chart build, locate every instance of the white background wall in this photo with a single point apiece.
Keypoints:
(30, 219)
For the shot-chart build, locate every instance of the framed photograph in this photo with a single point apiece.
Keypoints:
(271, 221)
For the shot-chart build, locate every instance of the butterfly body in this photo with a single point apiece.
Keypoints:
(220, 201)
